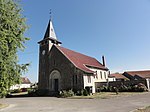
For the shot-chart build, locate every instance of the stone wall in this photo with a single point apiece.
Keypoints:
(68, 72)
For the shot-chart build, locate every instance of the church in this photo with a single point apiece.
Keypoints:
(64, 69)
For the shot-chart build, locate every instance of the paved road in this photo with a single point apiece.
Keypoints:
(51, 104)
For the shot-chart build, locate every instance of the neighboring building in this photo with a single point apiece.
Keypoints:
(25, 83)
(118, 77)
(111, 78)
(137, 75)
(64, 69)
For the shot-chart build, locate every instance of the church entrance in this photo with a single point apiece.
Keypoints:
(56, 84)
(54, 81)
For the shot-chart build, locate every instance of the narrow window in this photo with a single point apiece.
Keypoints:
(96, 75)
(105, 75)
(101, 74)
(89, 79)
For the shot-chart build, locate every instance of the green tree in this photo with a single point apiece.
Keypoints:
(12, 28)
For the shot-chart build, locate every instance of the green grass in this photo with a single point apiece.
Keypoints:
(105, 95)
(3, 105)
(21, 93)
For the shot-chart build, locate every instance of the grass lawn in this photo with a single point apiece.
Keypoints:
(105, 95)
(147, 109)
(21, 93)
(3, 105)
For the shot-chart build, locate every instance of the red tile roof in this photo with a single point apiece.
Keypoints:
(118, 76)
(143, 74)
(25, 80)
(81, 61)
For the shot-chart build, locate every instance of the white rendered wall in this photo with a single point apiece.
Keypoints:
(100, 77)
(19, 86)
(111, 79)
(86, 83)
(94, 79)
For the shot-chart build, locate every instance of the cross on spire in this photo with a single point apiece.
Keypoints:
(50, 13)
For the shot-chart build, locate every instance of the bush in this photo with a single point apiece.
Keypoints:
(16, 91)
(141, 87)
(123, 88)
(78, 93)
(43, 92)
(106, 89)
(65, 93)
(23, 89)
(3, 94)
(85, 92)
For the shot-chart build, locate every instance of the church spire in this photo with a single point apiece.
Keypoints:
(50, 35)
(50, 32)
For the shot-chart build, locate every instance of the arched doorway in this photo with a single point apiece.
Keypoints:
(54, 81)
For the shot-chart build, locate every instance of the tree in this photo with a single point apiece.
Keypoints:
(12, 28)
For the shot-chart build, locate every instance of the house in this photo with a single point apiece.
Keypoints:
(118, 77)
(25, 83)
(63, 69)
(137, 75)
(111, 78)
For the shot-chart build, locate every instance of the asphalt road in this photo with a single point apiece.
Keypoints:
(51, 104)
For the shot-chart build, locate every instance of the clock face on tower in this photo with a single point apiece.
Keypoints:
(43, 52)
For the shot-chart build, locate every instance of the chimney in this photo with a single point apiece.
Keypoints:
(103, 59)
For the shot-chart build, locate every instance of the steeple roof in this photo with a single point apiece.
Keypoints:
(50, 32)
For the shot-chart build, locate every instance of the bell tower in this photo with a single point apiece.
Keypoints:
(45, 45)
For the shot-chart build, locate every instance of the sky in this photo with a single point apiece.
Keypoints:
(117, 29)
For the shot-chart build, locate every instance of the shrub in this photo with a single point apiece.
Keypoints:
(43, 92)
(65, 93)
(79, 93)
(17, 91)
(70, 93)
(23, 89)
(116, 90)
(141, 87)
(123, 88)
(3, 94)
(85, 92)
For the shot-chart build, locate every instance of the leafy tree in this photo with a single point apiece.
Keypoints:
(12, 28)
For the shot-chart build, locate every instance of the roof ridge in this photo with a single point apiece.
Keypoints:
(89, 71)
(139, 71)
(78, 52)
(80, 60)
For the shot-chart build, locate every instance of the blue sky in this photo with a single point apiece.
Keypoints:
(118, 29)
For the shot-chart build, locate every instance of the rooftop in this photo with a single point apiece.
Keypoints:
(81, 61)
(143, 74)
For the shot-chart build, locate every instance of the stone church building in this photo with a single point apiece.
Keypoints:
(64, 69)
